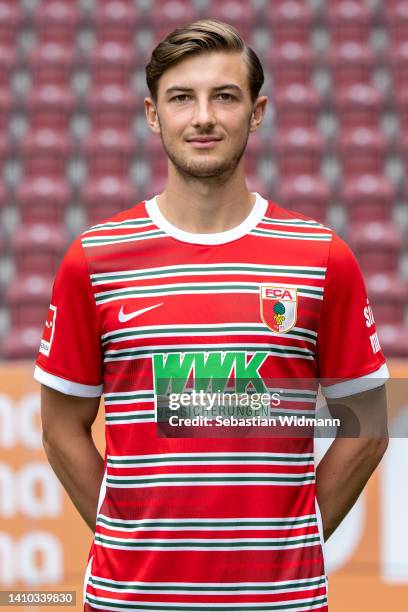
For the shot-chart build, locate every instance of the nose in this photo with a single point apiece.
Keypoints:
(203, 115)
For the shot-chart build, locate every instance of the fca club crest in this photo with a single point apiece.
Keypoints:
(278, 307)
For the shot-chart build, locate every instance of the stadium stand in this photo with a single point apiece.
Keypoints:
(75, 148)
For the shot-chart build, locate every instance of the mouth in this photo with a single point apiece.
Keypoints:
(203, 143)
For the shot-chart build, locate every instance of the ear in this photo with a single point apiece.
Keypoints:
(258, 113)
(151, 115)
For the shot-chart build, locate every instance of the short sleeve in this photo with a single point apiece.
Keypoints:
(349, 355)
(70, 357)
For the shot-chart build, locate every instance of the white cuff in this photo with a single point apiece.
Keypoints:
(66, 386)
(357, 385)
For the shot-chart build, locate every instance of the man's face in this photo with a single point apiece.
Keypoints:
(205, 97)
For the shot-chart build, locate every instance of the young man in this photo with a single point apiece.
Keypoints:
(207, 281)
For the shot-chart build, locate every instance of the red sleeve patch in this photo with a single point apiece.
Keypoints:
(49, 328)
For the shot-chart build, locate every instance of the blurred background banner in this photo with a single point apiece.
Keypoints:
(75, 149)
(44, 543)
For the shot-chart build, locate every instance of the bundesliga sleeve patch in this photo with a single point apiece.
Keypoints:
(48, 335)
(279, 307)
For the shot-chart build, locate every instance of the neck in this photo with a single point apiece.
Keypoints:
(205, 206)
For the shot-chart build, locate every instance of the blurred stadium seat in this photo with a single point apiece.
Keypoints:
(28, 298)
(362, 150)
(289, 20)
(108, 152)
(299, 151)
(38, 248)
(11, 18)
(112, 106)
(52, 63)
(307, 194)
(349, 20)
(8, 61)
(50, 106)
(350, 63)
(107, 196)
(22, 342)
(42, 199)
(368, 197)
(396, 17)
(377, 246)
(116, 21)
(297, 105)
(56, 21)
(358, 105)
(45, 152)
(290, 62)
(388, 295)
(112, 63)
(163, 17)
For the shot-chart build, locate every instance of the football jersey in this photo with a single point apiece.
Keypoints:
(204, 522)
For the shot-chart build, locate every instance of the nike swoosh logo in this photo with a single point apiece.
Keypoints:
(123, 317)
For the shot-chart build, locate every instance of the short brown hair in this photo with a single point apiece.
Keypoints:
(202, 36)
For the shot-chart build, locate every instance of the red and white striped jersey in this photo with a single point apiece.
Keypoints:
(207, 523)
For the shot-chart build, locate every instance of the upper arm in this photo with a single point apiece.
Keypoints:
(361, 415)
(63, 414)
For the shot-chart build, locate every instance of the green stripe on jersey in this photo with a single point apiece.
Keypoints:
(268, 349)
(129, 223)
(210, 458)
(300, 605)
(309, 291)
(208, 270)
(237, 329)
(213, 524)
(105, 240)
(291, 236)
(213, 479)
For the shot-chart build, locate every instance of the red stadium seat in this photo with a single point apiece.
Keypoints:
(155, 155)
(50, 106)
(28, 298)
(394, 340)
(45, 152)
(349, 20)
(396, 18)
(7, 104)
(52, 63)
(299, 151)
(38, 248)
(241, 15)
(401, 104)
(167, 15)
(112, 107)
(109, 152)
(368, 197)
(362, 150)
(350, 62)
(289, 20)
(8, 62)
(112, 63)
(290, 63)
(107, 196)
(388, 295)
(398, 61)
(377, 246)
(254, 152)
(11, 18)
(57, 21)
(256, 183)
(309, 195)
(116, 21)
(358, 105)
(22, 343)
(5, 147)
(296, 105)
(42, 199)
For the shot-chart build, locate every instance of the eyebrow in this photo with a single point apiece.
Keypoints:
(190, 89)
